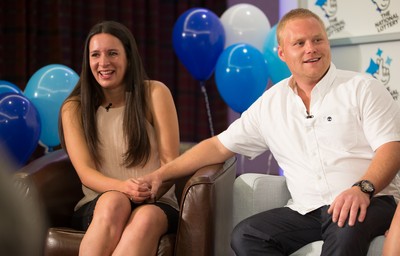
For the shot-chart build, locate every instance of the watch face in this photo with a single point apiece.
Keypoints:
(367, 186)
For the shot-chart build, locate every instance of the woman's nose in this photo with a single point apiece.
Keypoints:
(104, 61)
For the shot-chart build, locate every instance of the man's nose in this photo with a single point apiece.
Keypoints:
(310, 47)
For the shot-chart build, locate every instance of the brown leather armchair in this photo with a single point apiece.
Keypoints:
(205, 198)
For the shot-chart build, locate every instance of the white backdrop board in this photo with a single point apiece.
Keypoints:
(381, 60)
(364, 35)
(358, 19)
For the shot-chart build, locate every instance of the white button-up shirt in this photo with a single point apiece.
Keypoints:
(326, 151)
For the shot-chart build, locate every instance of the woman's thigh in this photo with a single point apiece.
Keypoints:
(114, 204)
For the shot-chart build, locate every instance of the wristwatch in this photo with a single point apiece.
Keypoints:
(366, 186)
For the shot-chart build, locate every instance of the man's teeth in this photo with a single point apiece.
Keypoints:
(313, 60)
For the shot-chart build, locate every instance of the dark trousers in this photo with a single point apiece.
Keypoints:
(282, 231)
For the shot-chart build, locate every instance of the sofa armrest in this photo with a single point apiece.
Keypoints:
(253, 193)
(56, 183)
(206, 211)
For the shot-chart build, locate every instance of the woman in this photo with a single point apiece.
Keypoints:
(116, 126)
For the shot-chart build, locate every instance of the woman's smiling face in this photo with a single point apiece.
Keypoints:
(108, 60)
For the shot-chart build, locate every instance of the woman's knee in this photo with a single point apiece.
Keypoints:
(111, 207)
(149, 218)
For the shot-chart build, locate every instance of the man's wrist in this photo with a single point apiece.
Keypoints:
(366, 186)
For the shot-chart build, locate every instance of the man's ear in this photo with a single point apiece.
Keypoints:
(281, 54)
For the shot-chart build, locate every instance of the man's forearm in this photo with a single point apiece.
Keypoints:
(384, 165)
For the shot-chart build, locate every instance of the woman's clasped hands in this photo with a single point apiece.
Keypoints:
(137, 191)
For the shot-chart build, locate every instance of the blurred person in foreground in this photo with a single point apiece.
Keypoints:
(22, 222)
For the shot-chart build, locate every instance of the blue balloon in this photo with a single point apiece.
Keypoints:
(47, 89)
(198, 40)
(19, 127)
(241, 76)
(278, 69)
(6, 86)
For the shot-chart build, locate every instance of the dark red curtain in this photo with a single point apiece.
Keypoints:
(35, 33)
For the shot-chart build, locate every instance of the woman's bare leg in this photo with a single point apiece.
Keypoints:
(142, 232)
(111, 214)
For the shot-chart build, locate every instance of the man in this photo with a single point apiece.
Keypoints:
(336, 135)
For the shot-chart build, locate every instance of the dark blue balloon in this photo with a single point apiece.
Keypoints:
(198, 40)
(278, 69)
(6, 86)
(241, 76)
(19, 127)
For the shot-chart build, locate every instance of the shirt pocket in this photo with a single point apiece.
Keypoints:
(338, 131)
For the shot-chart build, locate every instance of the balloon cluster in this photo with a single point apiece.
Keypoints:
(240, 47)
(30, 117)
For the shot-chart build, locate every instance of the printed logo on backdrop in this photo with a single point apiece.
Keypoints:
(379, 67)
(387, 19)
(329, 7)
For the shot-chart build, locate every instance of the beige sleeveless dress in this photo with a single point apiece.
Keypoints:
(112, 148)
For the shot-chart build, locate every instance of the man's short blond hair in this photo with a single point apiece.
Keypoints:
(299, 13)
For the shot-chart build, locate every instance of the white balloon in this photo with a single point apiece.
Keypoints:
(245, 23)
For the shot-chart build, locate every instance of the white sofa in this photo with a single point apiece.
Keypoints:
(253, 193)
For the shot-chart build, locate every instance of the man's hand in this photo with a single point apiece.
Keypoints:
(153, 181)
(348, 205)
(136, 191)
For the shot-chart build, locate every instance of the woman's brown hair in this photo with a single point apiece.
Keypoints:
(89, 96)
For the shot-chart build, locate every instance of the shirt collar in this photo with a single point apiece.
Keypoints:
(322, 86)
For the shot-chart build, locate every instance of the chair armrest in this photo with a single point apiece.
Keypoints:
(253, 193)
(56, 183)
(206, 211)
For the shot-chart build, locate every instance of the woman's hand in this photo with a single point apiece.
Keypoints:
(136, 191)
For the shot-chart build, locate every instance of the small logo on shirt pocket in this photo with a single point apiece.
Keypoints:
(337, 131)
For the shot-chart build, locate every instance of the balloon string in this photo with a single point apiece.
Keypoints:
(203, 89)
